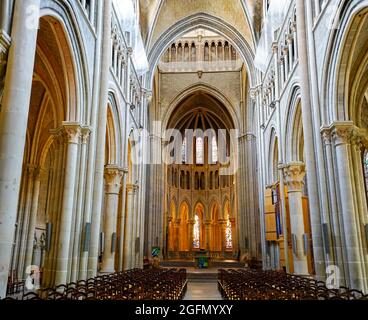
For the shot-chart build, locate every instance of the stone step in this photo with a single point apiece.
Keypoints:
(225, 264)
(202, 276)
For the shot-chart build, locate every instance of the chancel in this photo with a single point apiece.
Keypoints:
(183, 149)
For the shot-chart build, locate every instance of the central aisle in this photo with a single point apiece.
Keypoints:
(206, 290)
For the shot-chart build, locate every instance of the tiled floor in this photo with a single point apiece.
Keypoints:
(202, 291)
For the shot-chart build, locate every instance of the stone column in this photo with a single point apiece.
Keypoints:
(294, 174)
(337, 234)
(13, 127)
(361, 198)
(208, 225)
(113, 176)
(176, 235)
(310, 145)
(100, 142)
(25, 221)
(341, 133)
(190, 227)
(223, 224)
(32, 219)
(72, 134)
(77, 236)
(129, 244)
(121, 219)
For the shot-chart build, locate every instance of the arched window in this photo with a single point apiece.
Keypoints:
(193, 52)
(186, 52)
(203, 184)
(228, 230)
(199, 151)
(229, 236)
(196, 229)
(180, 53)
(184, 150)
(196, 182)
(206, 52)
(214, 150)
(182, 180)
(365, 164)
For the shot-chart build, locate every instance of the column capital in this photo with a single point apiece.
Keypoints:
(72, 132)
(289, 38)
(85, 133)
(132, 188)
(326, 135)
(275, 48)
(294, 174)
(113, 176)
(342, 132)
(293, 26)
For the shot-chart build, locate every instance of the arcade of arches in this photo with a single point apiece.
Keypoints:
(227, 128)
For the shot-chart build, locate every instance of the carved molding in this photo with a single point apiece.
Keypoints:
(72, 132)
(113, 177)
(294, 174)
(85, 133)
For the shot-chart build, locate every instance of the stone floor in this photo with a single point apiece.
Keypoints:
(202, 291)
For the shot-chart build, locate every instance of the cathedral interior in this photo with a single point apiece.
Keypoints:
(175, 139)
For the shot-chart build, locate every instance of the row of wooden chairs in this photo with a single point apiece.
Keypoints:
(248, 284)
(15, 285)
(136, 284)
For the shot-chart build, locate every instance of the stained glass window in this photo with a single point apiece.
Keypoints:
(184, 150)
(196, 232)
(214, 150)
(199, 151)
(229, 236)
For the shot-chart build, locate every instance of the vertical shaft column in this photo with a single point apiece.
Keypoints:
(294, 175)
(101, 142)
(13, 127)
(341, 133)
(72, 134)
(315, 199)
(33, 218)
(208, 225)
(129, 234)
(113, 177)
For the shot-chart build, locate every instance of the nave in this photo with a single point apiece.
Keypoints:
(245, 284)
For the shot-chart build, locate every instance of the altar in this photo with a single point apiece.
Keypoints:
(202, 259)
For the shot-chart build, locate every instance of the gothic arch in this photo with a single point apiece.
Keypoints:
(273, 156)
(206, 21)
(344, 81)
(73, 46)
(205, 88)
(199, 204)
(114, 133)
(294, 141)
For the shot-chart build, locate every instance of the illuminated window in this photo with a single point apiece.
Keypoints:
(184, 151)
(229, 236)
(196, 232)
(199, 151)
(214, 150)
